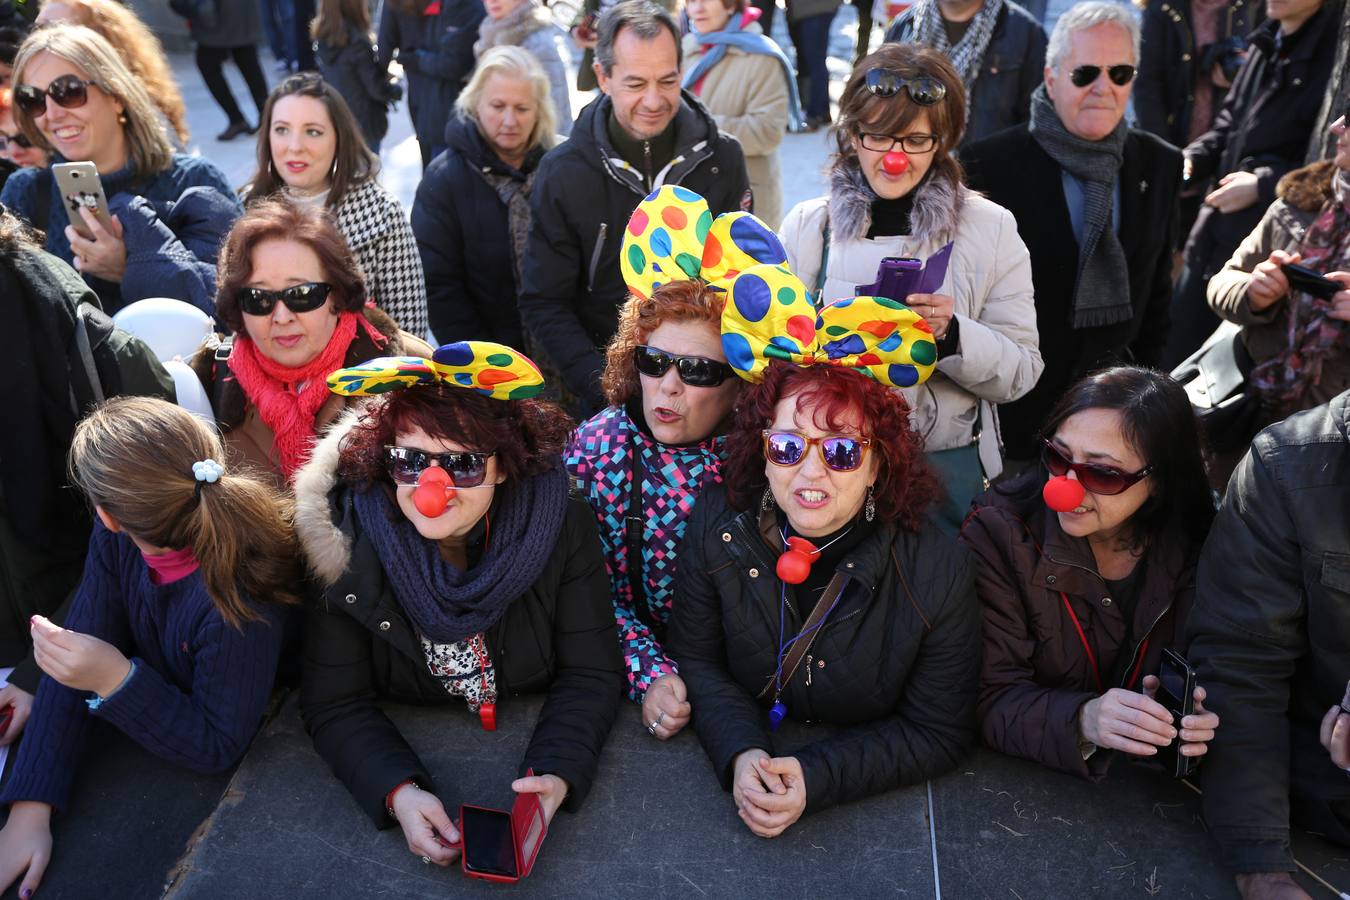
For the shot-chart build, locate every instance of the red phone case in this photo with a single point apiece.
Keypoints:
(6, 716)
(527, 835)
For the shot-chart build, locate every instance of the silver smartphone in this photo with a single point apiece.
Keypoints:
(80, 188)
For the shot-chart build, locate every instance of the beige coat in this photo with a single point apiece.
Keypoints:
(748, 98)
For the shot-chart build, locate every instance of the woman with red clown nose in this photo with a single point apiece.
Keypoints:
(814, 569)
(1085, 569)
(454, 570)
(896, 191)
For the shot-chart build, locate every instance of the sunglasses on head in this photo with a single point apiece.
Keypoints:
(788, 448)
(66, 91)
(298, 298)
(923, 90)
(466, 469)
(1098, 479)
(1120, 75)
(695, 371)
(18, 140)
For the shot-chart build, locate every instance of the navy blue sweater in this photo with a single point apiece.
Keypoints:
(198, 692)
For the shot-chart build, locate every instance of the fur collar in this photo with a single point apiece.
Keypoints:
(936, 213)
(327, 548)
(513, 28)
(1308, 188)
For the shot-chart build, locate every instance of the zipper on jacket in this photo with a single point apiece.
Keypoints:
(647, 163)
(595, 255)
(808, 670)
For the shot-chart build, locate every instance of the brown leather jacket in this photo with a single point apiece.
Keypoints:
(1036, 673)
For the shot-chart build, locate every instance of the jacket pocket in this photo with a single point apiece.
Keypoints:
(595, 255)
(1336, 572)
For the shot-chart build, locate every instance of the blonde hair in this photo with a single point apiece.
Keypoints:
(148, 145)
(141, 51)
(513, 62)
(133, 457)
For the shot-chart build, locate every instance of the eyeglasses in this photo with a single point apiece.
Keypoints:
(466, 469)
(299, 298)
(18, 140)
(695, 371)
(788, 448)
(1084, 75)
(67, 91)
(910, 143)
(1103, 480)
(923, 90)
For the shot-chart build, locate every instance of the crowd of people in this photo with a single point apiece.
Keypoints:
(599, 419)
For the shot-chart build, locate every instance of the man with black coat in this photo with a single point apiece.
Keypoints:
(1259, 135)
(642, 133)
(1095, 203)
(1269, 636)
(996, 45)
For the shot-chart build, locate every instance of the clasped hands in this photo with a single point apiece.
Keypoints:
(770, 792)
(1137, 724)
(427, 828)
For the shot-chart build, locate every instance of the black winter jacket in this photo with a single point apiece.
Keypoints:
(584, 193)
(1270, 634)
(1033, 190)
(896, 664)
(1169, 64)
(1014, 63)
(1263, 127)
(364, 83)
(360, 647)
(463, 235)
(437, 53)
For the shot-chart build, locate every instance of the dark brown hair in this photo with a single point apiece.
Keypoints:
(330, 25)
(133, 457)
(860, 109)
(281, 219)
(526, 436)
(353, 163)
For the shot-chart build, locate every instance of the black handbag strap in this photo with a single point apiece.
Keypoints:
(634, 523)
(810, 631)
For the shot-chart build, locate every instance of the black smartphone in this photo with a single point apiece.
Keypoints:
(1176, 692)
(489, 847)
(1301, 278)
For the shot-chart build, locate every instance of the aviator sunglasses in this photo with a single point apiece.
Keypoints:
(466, 469)
(1098, 479)
(299, 298)
(788, 448)
(1121, 75)
(66, 91)
(923, 90)
(695, 371)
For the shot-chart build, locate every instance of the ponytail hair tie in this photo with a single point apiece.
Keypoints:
(206, 471)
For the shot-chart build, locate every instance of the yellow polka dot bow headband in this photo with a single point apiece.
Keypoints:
(494, 370)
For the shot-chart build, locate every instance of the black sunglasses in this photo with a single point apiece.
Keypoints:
(67, 91)
(923, 90)
(788, 448)
(1084, 75)
(298, 298)
(466, 469)
(1103, 480)
(695, 371)
(18, 140)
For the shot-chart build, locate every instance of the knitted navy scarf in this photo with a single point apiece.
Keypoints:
(445, 604)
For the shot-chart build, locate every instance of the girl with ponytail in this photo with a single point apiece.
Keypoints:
(174, 633)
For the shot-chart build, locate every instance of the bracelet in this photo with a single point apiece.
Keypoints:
(389, 797)
(96, 701)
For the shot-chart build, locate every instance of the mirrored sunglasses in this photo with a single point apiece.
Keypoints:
(788, 448)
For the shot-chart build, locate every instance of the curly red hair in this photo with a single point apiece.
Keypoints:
(905, 487)
(527, 436)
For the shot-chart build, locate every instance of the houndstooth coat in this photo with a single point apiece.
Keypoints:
(376, 228)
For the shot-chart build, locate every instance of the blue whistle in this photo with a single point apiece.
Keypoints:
(777, 713)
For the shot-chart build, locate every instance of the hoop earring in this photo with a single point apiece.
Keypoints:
(869, 506)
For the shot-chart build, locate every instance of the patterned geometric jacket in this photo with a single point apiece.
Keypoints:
(600, 459)
(377, 229)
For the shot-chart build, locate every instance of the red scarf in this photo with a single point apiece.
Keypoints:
(288, 399)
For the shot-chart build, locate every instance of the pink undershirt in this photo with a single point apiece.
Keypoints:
(166, 568)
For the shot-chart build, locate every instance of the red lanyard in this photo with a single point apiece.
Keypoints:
(487, 712)
(1092, 657)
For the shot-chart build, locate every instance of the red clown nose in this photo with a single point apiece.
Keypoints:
(895, 163)
(435, 490)
(795, 563)
(1063, 493)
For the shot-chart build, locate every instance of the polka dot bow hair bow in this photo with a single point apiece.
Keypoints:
(492, 369)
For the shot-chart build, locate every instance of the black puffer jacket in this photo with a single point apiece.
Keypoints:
(1270, 637)
(573, 287)
(464, 238)
(1014, 63)
(353, 70)
(897, 663)
(360, 647)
